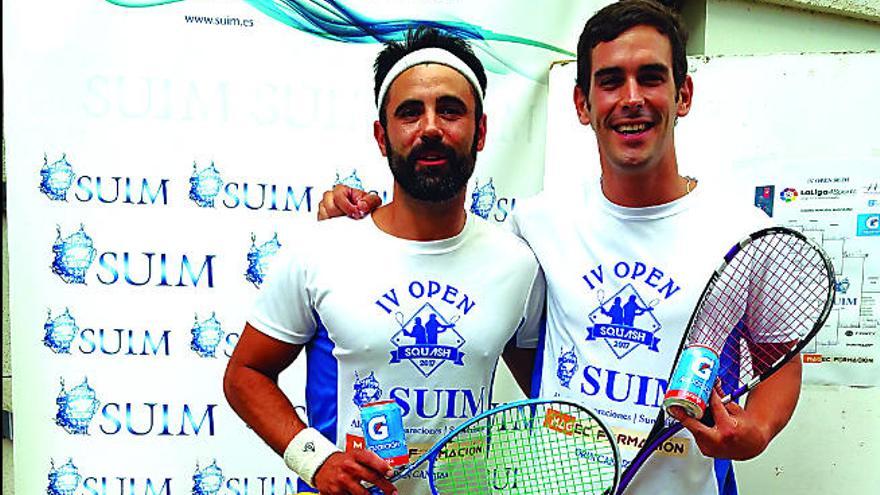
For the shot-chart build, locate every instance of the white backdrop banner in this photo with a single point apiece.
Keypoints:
(159, 155)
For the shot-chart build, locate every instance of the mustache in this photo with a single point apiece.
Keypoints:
(433, 148)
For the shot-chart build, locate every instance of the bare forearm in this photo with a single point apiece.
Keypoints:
(773, 402)
(258, 400)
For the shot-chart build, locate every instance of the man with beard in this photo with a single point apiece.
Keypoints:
(421, 257)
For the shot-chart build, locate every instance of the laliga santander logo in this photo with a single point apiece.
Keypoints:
(788, 194)
(702, 367)
(378, 427)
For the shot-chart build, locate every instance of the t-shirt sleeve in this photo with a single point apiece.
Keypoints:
(533, 313)
(283, 310)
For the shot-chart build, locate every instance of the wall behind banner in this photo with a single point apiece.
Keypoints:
(159, 158)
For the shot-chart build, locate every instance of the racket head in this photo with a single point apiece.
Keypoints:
(765, 302)
(527, 447)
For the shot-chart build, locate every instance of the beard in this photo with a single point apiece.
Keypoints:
(434, 184)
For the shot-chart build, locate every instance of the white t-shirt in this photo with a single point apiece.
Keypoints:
(422, 323)
(621, 286)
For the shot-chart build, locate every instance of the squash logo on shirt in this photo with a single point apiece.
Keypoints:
(427, 339)
(366, 389)
(625, 321)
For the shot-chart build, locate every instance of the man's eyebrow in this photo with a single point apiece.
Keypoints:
(408, 103)
(654, 68)
(607, 71)
(449, 99)
(613, 71)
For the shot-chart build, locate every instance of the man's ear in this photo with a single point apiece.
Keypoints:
(581, 105)
(685, 96)
(379, 135)
(481, 133)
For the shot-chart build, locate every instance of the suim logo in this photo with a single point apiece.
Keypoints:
(63, 480)
(74, 255)
(204, 185)
(258, 259)
(60, 332)
(206, 336)
(79, 406)
(76, 408)
(211, 480)
(207, 480)
(485, 202)
(67, 480)
(209, 339)
(788, 194)
(207, 188)
(58, 177)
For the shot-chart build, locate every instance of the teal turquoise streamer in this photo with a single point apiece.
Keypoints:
(332, 20)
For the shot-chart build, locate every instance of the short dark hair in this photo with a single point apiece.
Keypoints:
(417, 39)
(611, 21)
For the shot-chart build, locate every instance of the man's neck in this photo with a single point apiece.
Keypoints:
(652, 187)
(409, 218)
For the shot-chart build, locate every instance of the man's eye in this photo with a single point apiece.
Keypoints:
(450, 111)
(609, 82)
(408, 113)
(652, 79)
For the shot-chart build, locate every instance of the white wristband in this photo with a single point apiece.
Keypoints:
(306, 453)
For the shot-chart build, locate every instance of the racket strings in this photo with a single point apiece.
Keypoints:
(516, 452)
(764, 302)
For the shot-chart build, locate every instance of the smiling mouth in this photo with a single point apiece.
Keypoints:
(630, 129)
(432, 159)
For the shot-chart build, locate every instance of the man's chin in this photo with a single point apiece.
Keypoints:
(435, 192)
(632, 163)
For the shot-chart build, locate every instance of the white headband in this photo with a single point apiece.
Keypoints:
(428, 56)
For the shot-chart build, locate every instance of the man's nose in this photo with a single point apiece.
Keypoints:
(431, 129)
(633, 99)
